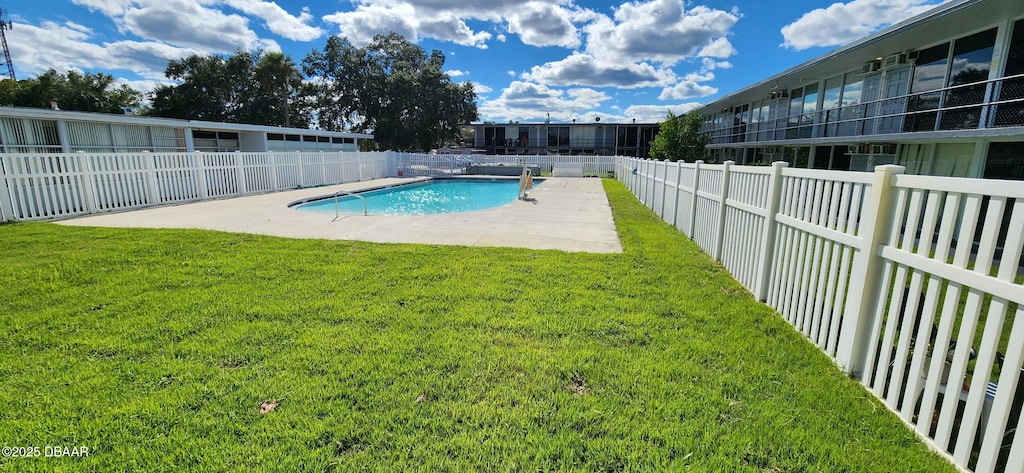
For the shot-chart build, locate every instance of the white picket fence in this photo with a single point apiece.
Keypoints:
(882, 271)
(46, 186)
(413, 164)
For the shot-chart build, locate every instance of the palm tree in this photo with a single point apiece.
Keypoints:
(278, 75)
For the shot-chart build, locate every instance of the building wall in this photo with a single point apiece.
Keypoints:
(33, 131)
(565, 138)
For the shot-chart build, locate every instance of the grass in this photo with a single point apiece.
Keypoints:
(156, 348)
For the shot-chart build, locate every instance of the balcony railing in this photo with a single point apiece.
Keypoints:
(981, 105)
(575, 144)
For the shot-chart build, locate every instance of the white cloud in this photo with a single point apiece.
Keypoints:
(638, 44)
(188, 23)
(720, 48)
(70, 47)
(481, 89)
(657, 113)
(690, 87)
(584, 69)
(542, 24)
(279, 21)
(109, 8)
(841, 23)
(534, 102)
(456, 73)
(658, 30)
(369, 20)
(709, 64)
(144, 86)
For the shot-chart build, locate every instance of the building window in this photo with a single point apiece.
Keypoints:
(830, 104)
(626, 137)
(1012, 90)
(558, 136)
(810, 109)
(972, 60)
(929, 77)
(494, 136)
(1005, 161)
(796, 105)
(852, 109)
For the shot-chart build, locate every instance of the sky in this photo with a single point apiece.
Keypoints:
(529, 60)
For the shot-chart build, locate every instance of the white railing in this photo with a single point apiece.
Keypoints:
(911, 283)
(412, 164)
(591, 165)
(46, 186)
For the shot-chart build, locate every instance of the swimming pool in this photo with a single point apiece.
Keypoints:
(436, 196)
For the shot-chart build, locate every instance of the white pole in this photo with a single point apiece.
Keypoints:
(866, 273)
(722, 209)
(767, 247)
(6, 205)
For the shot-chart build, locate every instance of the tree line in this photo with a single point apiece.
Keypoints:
(390, 87)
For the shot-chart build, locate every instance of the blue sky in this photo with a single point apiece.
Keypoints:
(529, 59)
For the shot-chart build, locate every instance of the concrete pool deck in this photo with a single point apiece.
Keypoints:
(569, 214)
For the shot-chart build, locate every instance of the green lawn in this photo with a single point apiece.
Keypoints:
(155, 349)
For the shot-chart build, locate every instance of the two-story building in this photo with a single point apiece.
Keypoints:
(941, 93)
(597, 139)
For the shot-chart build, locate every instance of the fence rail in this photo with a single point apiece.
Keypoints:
(411, 164)
(910, 283)
(46, 186)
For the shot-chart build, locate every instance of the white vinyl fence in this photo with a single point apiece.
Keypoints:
(910, 283)
(411, 164)
(45, 186)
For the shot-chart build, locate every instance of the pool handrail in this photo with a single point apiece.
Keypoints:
(337, 213)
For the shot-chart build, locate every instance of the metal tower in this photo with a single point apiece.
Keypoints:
(6, 59)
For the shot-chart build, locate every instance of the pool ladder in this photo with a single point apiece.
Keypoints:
(336, 194)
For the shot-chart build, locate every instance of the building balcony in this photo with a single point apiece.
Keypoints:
(988, 105)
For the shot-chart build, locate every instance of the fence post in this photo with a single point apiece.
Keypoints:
(200, 168)
(323, 169)
(151, 182)
(273, 171)
(866, 272)
(641, 168)
(664, 190)
(693, 202)
(634, 171)
(6, 204)
(652, 185)
(88, 182)
(722, 208)
(675, 200)
(240, 172)
(767, 246)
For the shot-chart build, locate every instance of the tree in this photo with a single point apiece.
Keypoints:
(679, 138)
(334, 90)
(84, 92)
(245, 87)
(212, 88)
(278, 78)
(390, 87)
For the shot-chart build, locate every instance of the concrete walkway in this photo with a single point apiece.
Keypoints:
(568, 214)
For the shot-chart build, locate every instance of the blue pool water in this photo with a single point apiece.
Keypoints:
(426, 198)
